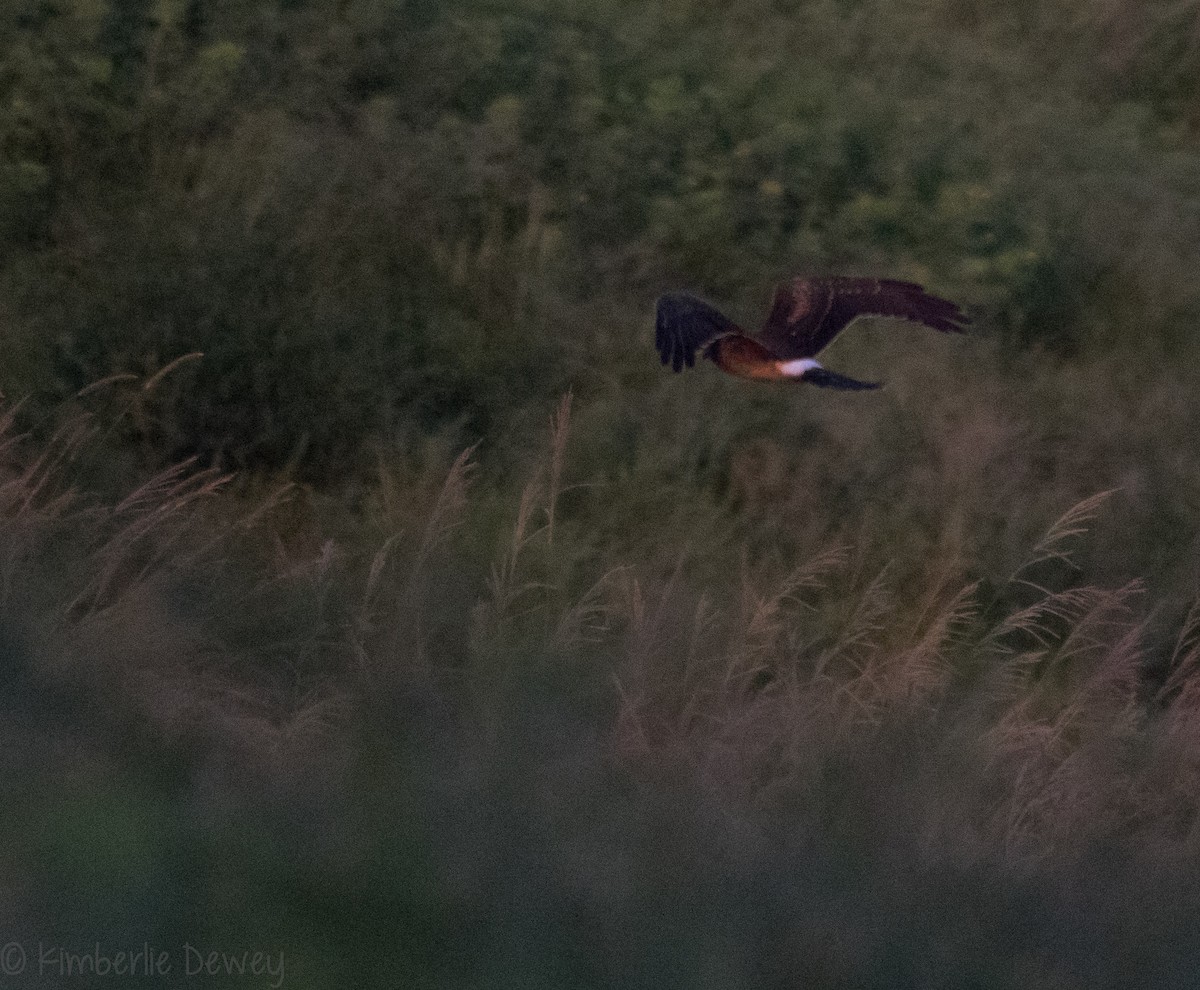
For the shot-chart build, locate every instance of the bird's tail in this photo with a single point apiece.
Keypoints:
(831, 379)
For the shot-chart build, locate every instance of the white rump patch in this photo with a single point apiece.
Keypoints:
(794, 369)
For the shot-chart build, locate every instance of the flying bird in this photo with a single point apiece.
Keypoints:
(806, 314)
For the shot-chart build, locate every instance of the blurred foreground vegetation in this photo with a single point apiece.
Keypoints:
(370, 594)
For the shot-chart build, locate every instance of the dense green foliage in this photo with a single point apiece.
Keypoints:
(503, 655)
(388, 210)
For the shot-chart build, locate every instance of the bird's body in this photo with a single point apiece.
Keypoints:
(806, 314)
(745, 357)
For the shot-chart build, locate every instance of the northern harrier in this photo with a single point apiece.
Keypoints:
(806, 314)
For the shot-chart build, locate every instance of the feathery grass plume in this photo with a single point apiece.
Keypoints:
(923, 669)
(149, 384)
(496, 617)
(447, 511)
(544, 486)
(858, 635)
(134, 403)
(1182, 682)
(630, 735)
(1054, 744)
(1093, 632)
(589, 617)
(766, 612)
(813, 574)
(151, 522)
(378, 561)
(35, 497)
(1169, 787)
(9, 437)
(15, 475)
(1066, 630)
(122, 376)
(629, 679)
(671, 653)
(757, 650)
(116, 600)
(559, 425)
(1047, 620)
(158, 492)
(38, 486)
(1114, 685)
(1072, 523)
(503, 581)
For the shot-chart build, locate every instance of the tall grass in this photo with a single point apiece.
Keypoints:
(830, 759)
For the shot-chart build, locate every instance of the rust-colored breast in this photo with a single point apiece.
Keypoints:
(745, 358)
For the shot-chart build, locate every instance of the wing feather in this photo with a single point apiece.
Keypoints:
(683, 324)
(809, 312)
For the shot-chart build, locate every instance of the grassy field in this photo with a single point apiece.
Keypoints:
(371, 598)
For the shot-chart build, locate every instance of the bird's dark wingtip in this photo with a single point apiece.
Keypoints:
(684, 323)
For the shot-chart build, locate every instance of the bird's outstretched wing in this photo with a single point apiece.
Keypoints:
(807, 313)
(684, 324)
